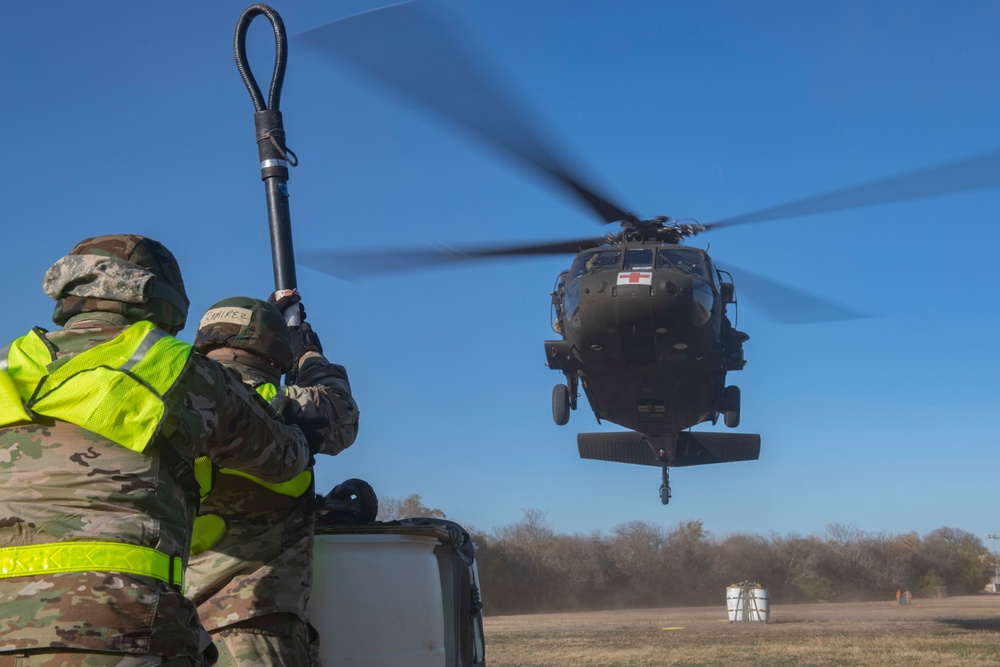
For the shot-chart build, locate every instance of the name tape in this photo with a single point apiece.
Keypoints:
(240, 316)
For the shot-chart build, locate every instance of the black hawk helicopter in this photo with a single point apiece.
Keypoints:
(642, 318)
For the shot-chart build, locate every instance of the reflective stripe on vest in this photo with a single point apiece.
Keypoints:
(293, 488)
(134, 369)
(39, 559)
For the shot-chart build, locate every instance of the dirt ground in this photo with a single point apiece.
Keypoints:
(957, 632)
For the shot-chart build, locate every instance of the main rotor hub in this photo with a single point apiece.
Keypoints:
(658, 230)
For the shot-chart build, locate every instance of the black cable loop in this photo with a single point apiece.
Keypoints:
(280, 56)
(286, 152)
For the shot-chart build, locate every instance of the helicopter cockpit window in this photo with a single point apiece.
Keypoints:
(638, 259)
(598, 260)
(688, 261)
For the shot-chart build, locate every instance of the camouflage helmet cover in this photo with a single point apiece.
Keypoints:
(129, 274)
(245, 323)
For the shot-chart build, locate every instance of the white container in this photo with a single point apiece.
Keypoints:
(747, 603)
(376, 601)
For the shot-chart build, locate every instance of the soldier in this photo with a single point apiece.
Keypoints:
(252, 568)
(100, 423)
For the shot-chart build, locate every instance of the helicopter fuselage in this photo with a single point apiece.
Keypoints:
(646, 334)
(643, 329)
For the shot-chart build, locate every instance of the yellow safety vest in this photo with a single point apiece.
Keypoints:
(210, 528)
(136, 369)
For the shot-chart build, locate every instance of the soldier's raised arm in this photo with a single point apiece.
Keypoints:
(320, 399)
(228, 422)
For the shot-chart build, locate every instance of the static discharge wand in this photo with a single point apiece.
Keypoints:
(275, 157)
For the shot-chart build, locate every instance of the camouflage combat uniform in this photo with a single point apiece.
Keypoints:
(63, 484)
(252, 586)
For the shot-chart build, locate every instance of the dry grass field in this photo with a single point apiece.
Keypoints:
(955, 632)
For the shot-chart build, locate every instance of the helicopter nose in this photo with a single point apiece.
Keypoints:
(671, 303)
(645, 306)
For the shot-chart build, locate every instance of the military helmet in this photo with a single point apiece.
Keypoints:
(245, 323)
(128, 274)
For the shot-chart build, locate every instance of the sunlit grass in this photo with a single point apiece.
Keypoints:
(959, 632)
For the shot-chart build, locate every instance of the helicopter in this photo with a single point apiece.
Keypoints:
(643, 320)
(643, 328)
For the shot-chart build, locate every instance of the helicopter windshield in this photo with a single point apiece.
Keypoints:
(598, 260)
(637, 259)
(682, 259)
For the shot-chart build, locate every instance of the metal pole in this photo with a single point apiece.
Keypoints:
(274, 156)
(274, 173)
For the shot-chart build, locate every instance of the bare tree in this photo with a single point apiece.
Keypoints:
(410, 507)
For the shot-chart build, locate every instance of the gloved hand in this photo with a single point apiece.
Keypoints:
(304, 339)
(313, 428)
(288, 408)
(287, 301)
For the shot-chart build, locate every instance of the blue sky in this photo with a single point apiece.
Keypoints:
(123, 117)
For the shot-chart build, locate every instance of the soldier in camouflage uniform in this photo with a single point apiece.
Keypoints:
(100, 423)
(252, 570)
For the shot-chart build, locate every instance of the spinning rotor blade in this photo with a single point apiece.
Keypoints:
(969, 174)
(353, 266)
(786, 304)
(405, 49)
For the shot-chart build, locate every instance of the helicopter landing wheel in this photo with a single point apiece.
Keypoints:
(665, 487)
(560, 404)
(731, 402)
(665, 495)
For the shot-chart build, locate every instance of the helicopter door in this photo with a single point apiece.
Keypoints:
(589, 262)
(558, 313)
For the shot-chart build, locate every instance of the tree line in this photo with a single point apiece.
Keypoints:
(529, 567)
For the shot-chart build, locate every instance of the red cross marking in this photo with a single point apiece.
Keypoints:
(635, 276)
